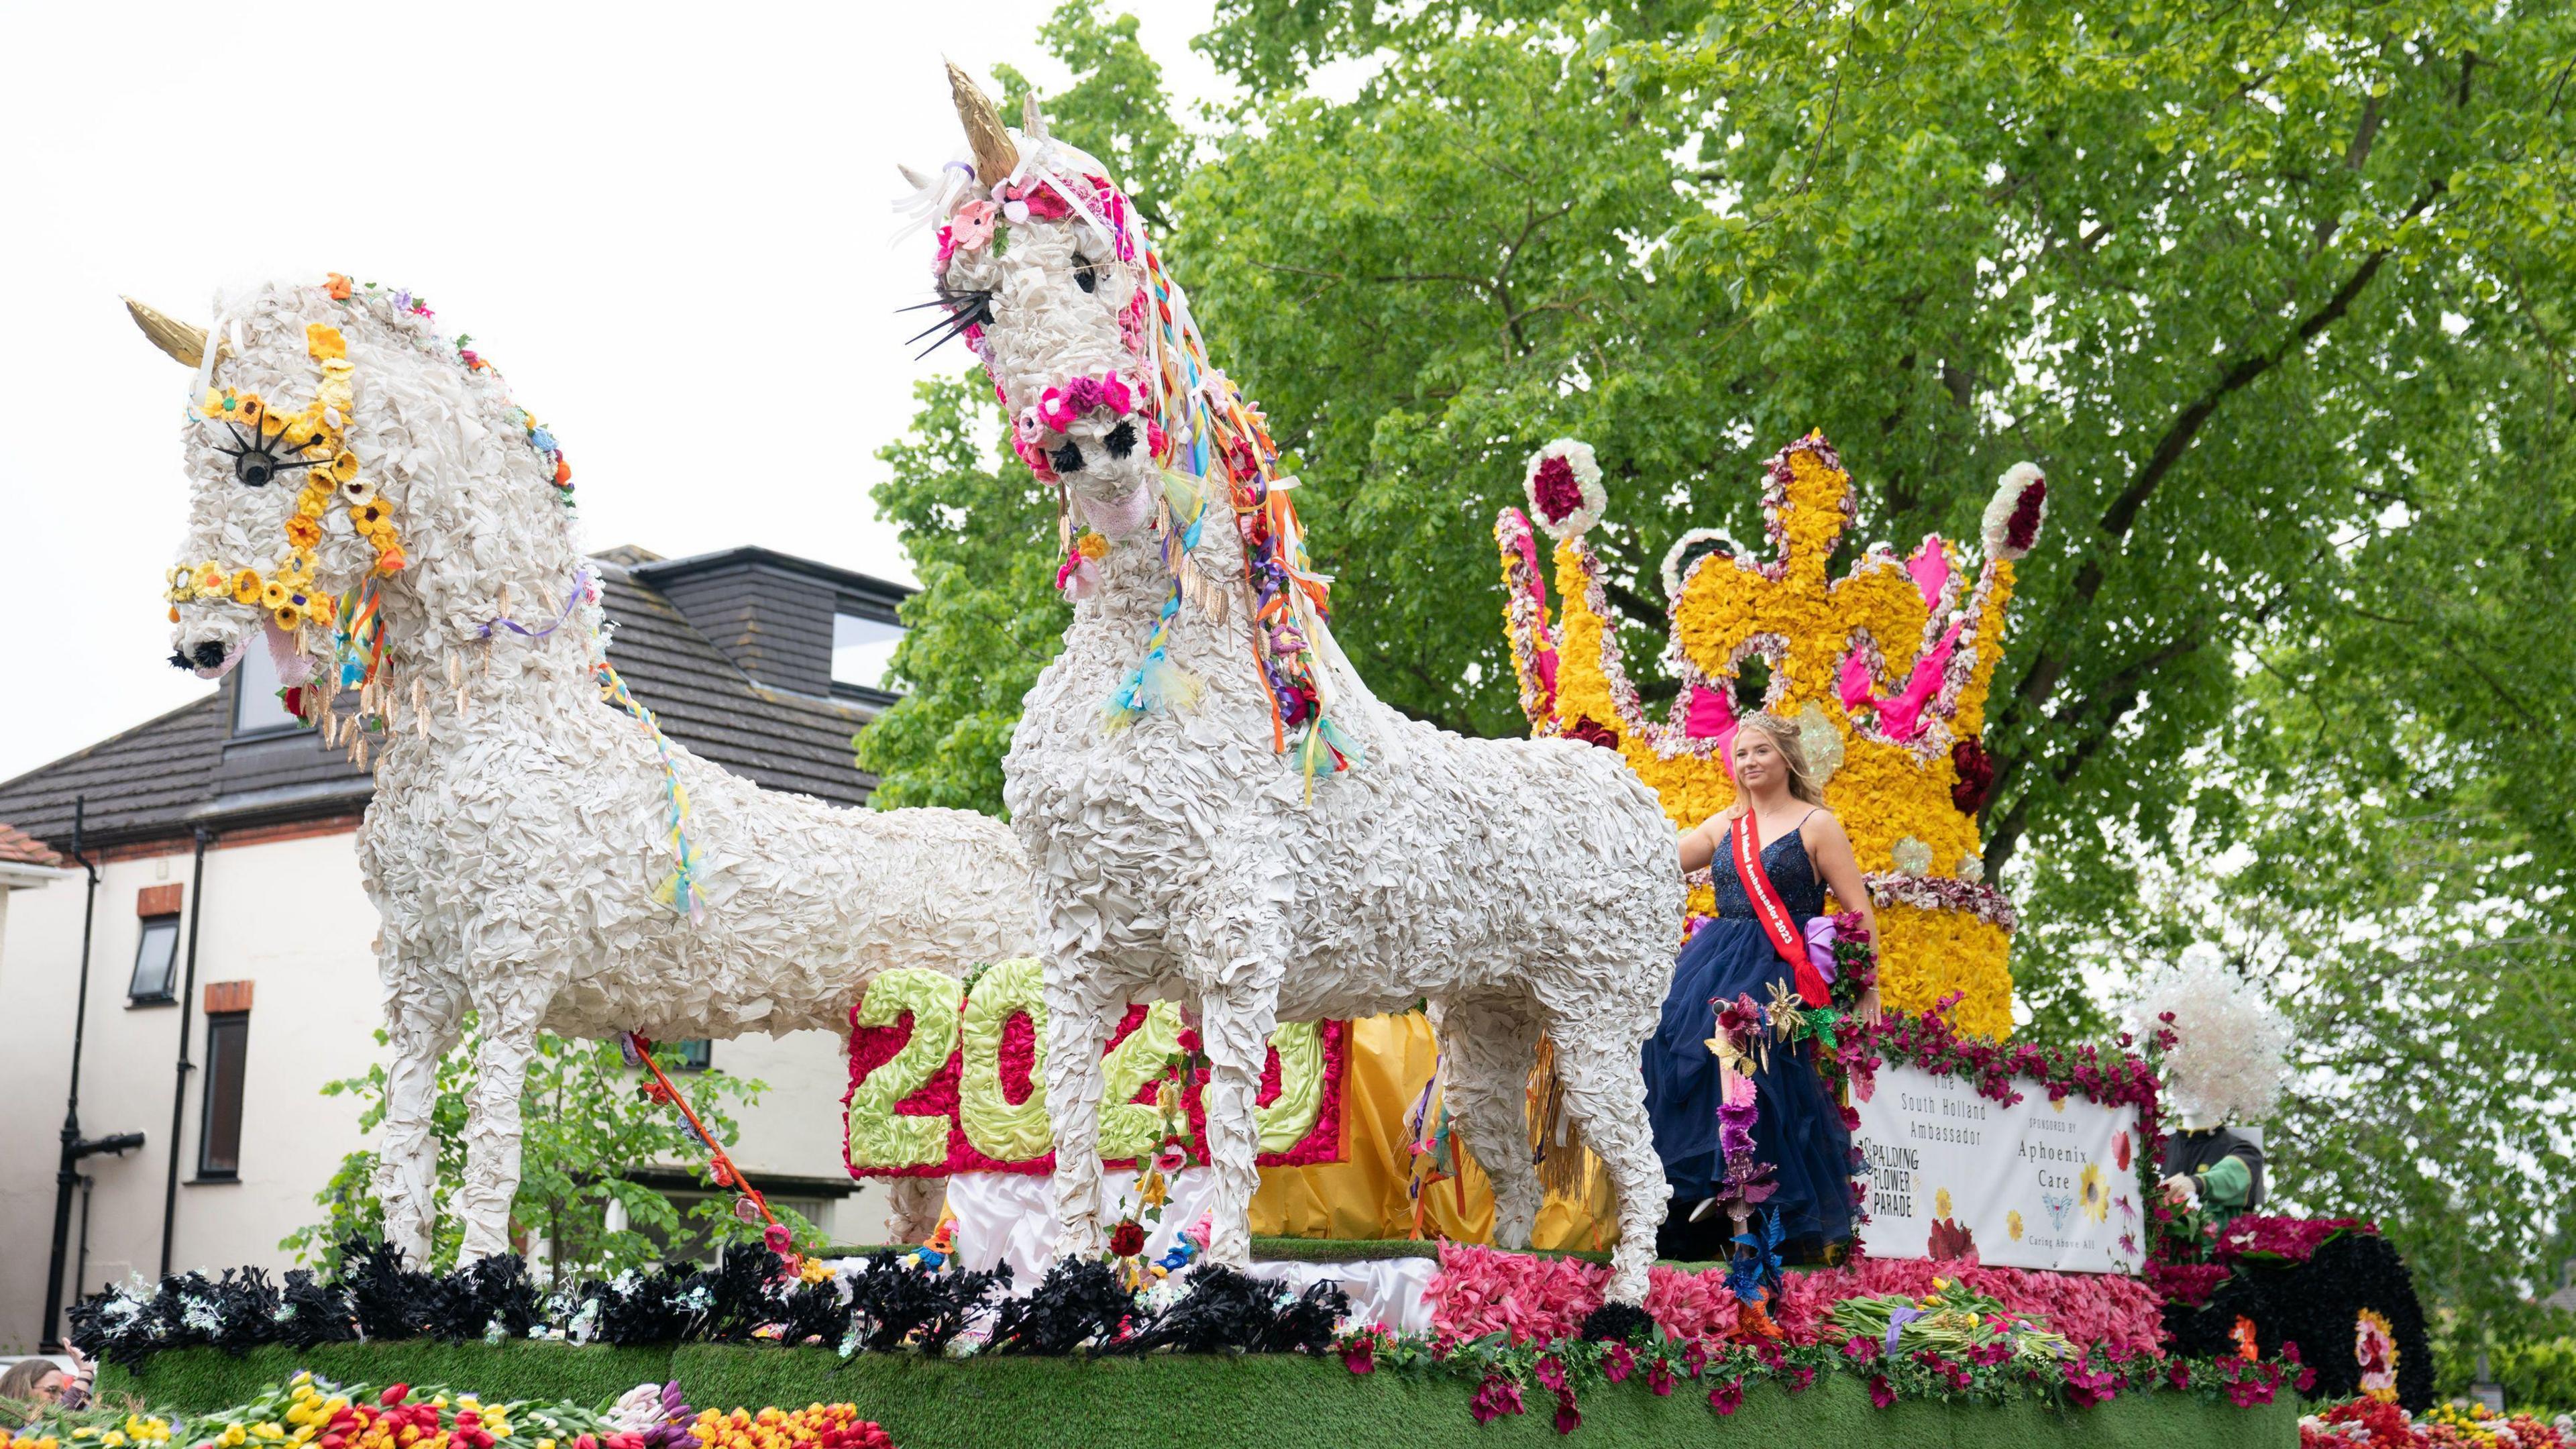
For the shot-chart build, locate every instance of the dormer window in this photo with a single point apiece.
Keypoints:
(863, 649)
(256, 708)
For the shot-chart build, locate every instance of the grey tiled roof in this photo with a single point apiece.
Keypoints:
(166, 775)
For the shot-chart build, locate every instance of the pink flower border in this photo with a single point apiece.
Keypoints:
(1540, 1300)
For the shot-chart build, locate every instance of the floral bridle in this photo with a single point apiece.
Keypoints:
(269, 444)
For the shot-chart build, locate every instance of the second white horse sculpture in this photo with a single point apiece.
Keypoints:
(1188, 836)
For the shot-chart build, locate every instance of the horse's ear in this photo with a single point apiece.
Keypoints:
(1032, 120)
(995, 156)
(185, 344)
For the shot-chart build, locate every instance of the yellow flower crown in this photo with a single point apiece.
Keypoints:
(311, 440)
(1884, 671)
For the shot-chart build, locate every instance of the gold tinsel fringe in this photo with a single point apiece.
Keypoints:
(1567, 1170)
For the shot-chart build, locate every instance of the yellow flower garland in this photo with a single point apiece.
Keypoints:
(286, 593)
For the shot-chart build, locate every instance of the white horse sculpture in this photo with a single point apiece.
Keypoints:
(1523, 886)
(530, 845)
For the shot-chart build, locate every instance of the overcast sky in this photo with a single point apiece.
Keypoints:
(667, 226)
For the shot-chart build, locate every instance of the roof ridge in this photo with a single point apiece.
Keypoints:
(128, 732)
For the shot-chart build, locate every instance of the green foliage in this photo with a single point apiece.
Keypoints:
(2183, 257)
(2538, 1375)
(586, 1130)
(982, 540)
(1115, 109)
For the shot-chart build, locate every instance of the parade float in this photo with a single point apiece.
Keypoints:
(1268, 1221)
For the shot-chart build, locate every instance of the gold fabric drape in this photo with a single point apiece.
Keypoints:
(1363, 1195)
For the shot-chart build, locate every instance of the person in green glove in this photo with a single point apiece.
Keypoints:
(2218, 1171)
(2223, 1069)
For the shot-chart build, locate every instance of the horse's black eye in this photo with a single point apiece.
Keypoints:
(1067, 459)
(257, 459)
(1121, 440)
(1083, 276)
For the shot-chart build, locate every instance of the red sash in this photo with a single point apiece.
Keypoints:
(1786, 937)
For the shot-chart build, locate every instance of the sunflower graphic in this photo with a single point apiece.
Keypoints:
(2012, 1225)
(2097, 1202)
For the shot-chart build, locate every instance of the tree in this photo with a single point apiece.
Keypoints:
(587, 1132)
(982, 539)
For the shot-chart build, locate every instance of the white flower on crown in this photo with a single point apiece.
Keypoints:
(1565, 492)
(1694, 545)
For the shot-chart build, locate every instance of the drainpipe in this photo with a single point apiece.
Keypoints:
(80, 1271)
(69, 1170)
(187, 1023)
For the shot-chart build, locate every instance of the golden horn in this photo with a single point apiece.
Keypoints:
(185, 343)
(994, 153)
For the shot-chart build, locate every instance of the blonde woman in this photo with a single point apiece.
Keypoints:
(1800, 1147)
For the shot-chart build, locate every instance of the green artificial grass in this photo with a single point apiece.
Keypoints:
(1263, 1401)
(198, 1379)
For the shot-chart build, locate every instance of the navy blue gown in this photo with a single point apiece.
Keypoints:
(1800, 1129)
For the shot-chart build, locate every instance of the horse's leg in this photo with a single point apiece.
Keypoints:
(1078, 1027)
(1597, 1058)
(1489, 1047)
(421, 1021)
(1235, 1022)
(912, 1208)
(508, 1011)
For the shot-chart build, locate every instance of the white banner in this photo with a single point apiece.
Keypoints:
(2038, 1184)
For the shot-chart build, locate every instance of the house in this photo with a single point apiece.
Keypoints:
(229, 961)
(25, 863)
